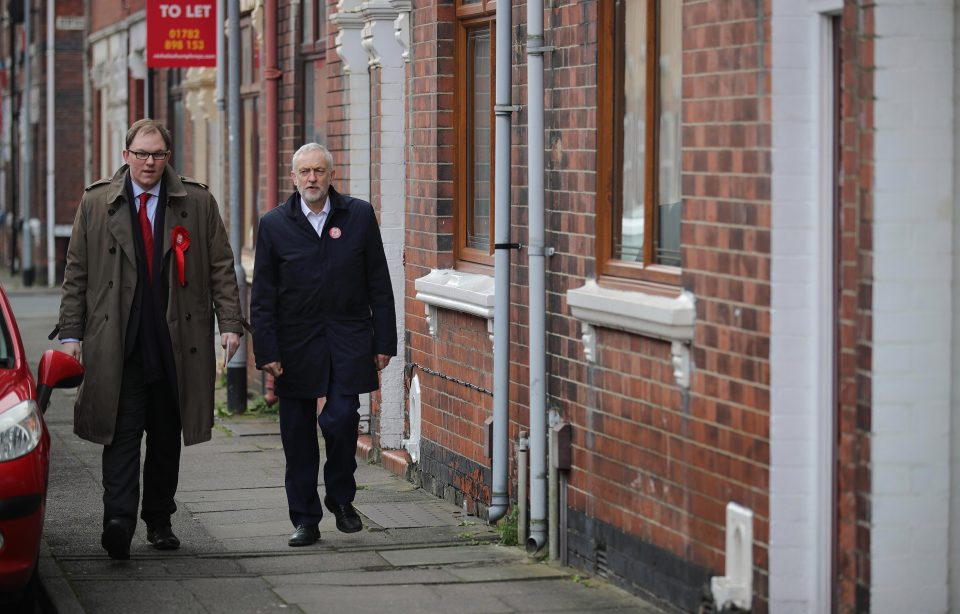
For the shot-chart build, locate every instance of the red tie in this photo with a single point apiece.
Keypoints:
(147, 231)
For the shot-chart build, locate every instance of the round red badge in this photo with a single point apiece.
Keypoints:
(335, 233)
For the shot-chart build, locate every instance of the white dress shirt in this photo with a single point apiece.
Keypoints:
(316, 219)
(151, 204)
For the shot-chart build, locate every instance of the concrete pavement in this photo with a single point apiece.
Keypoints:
(416, 553)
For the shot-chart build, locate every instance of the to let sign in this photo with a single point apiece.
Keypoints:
(181, 34)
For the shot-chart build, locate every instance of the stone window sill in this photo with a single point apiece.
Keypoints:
(640, 313)
(458, 291)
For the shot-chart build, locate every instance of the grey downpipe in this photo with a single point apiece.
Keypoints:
(537, 271)
(221, 77)
(523, 447)
(553, 498)
(499, 494)
(26, 163)
(51, 143)
(237, 368)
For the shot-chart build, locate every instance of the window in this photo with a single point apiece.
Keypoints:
(639, 201)
(474, 100)
(250, 131)
(313, 46)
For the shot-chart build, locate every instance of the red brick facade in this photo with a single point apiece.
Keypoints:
(653, 465)
(854, 309)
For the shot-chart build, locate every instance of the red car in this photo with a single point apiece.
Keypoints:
(24, 452)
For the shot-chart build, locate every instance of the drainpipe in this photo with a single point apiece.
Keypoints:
(221, 77)
(499, 495)
(237, 368)
(51, 142)
(272, 74)
(26, 165)
(537, 271)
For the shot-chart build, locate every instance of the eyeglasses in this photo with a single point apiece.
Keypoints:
(306, 172)
(156, 155)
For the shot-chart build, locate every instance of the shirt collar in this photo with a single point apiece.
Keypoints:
(307, 212)
(137, 190)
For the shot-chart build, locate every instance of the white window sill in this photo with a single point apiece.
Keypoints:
(458, 291)
(650, 315)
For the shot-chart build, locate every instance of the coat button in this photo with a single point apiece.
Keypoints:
(110, 284)
(113, 250)
(106, 317)
(188, 316)
(193, 350)
(183, 214)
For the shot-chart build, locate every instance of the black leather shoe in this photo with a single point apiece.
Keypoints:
(116, 539)
(348, 520)
(162, 538)
(305, 535)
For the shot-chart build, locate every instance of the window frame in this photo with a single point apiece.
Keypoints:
(472, 17)
(610, 82)
(313, 50)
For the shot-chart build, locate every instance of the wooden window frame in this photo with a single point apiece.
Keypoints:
(471, 17)
(313, 39)
(612, 271)
(313, 49)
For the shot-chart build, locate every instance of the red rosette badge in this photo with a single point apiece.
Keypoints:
(181, 242)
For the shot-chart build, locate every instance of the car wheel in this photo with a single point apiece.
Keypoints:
(28, 600)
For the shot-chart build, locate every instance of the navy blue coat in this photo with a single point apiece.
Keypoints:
(322, 305)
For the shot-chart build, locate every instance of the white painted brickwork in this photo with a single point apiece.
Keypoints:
(796, 493)
(912, 308)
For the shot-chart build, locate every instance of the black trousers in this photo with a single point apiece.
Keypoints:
(338, 423)
(143, 408)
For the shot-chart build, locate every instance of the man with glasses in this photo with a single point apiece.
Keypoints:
(148, 265)
(324, 325)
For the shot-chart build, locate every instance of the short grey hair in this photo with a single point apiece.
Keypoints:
(312, 147)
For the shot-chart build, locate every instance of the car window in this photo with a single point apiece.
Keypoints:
(7, 357)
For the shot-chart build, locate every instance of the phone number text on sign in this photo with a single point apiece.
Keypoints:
(184, 39)
(181, 34)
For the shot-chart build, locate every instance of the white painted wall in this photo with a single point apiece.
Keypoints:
(954, 535)
(801, 371)
(914, 206)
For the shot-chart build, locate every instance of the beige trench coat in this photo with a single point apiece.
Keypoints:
(98, 291)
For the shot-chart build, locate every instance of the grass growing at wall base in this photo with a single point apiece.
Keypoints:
(507, 527)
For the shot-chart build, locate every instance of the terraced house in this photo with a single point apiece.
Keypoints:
(677, 280)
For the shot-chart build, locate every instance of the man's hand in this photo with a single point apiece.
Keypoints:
(382, 361)
(72, 348)
(229, 342)
(273, 368)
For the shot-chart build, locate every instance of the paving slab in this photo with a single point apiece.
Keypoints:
(450, 555)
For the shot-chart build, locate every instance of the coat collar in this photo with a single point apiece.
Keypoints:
(118, 183)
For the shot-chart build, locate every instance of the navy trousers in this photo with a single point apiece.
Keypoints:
(150, 408)
(338, 423)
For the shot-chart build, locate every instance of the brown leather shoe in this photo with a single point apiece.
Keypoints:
(348, 520)
(305, 535)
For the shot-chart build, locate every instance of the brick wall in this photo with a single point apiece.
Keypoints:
(451, 366)
(653, 466)
(854, 333)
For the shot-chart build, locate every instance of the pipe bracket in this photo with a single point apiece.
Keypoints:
(541, 251)
(506, 109)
